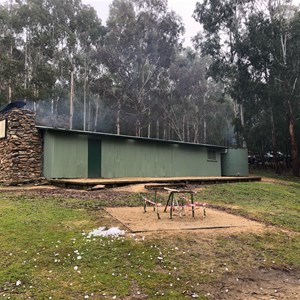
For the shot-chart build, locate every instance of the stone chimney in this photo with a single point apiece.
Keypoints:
(21, 147)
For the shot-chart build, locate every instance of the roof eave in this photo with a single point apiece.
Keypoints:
(104, 134)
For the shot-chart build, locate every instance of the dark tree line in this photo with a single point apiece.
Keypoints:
(255, 51)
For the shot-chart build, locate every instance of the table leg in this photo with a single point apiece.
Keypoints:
(167, 202)
(172, 205)
(193, 207)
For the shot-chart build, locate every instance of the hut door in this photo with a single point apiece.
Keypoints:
(94, 158)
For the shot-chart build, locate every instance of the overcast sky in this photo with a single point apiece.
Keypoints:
(184, 8)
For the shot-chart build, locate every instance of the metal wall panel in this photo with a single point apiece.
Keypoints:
(65, 155)
(127, 158)
(235, 163)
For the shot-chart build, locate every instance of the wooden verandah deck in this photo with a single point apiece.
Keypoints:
(85, 183)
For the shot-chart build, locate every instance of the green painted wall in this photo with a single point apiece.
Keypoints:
(69, 155)
(65, 155)
(235, 163)
(127, 158)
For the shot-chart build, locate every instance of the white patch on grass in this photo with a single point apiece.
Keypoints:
(102, 231)
(18, 282)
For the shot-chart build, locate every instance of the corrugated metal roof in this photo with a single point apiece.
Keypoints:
(72, 131)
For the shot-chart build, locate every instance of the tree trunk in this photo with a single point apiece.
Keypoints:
(149, 123)
(183, 127)
(10, 53)
(274, 143)
(204, 120)
(138, 128)
(26, 63)
(9, 80)
(290, 117)
(187, 130)
(204, 130)
(196, 132)
(84, 95)
(56, 106)
(96, 114)
(89, 115)
(71, 98)
(244, 144)
(273, 131)
(157, 128)
(294, 149)
(118, 125)
(165, 128)
(52, 106)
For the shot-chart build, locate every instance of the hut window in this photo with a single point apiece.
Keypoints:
(211, 155)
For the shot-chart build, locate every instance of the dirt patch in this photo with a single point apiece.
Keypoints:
(260, 284)
(28, 187)
(268, 179)
(277, 181)
(132, 188)
(136, 220)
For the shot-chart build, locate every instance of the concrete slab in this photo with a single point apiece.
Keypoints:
(137, 221)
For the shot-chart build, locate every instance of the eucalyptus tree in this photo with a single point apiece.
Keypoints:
(186, 109)
(223, 26)
(258, 81)
(48, 41)
(141, 41)
(198, 110)
(274, 44)
(285, 20)
(11, 55)
(219, 114)
(253, 46)
(89, 34)
(57, 40)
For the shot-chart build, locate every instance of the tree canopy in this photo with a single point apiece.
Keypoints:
(132, 76)
(254, 49)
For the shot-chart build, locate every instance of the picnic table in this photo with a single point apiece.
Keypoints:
(161, 186)
(175, 203)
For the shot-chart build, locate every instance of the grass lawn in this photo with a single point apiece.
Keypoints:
(276, 204)
(46, 253)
